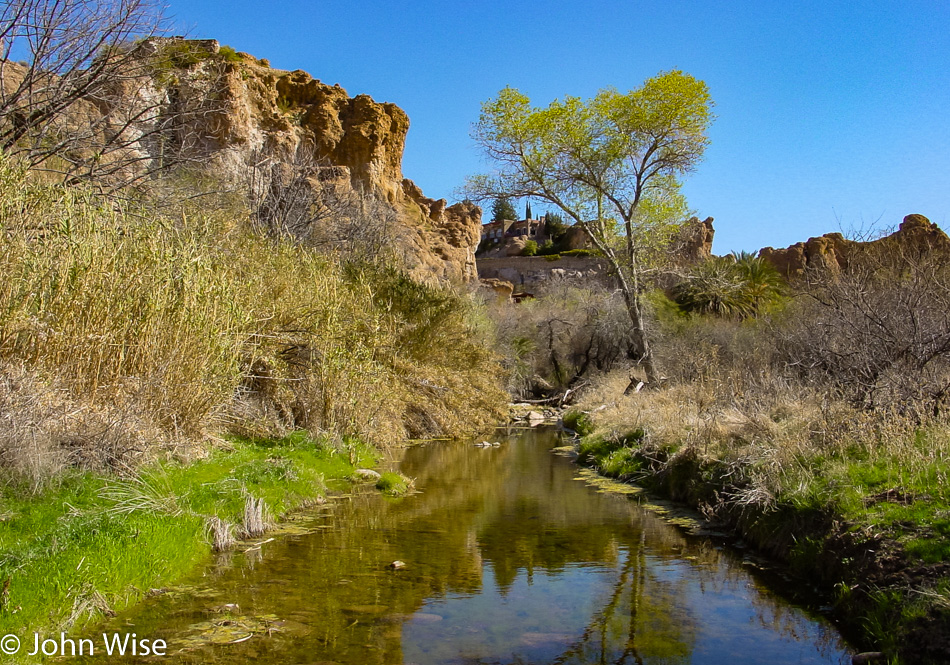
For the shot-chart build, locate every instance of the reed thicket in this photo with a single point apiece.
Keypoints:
(129, 328)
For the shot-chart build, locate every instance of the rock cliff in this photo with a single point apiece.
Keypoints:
(196, 102)
(833, 252)
(259, 111)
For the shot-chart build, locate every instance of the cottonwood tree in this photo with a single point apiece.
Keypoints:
(609, 163)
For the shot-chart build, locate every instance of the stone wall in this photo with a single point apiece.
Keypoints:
(527, 272)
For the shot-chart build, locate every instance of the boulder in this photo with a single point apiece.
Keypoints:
(502, 288)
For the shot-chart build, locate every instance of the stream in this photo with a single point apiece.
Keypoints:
(512, 555)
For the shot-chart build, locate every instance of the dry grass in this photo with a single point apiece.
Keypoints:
(220, 534)
(256, 520)
(124, 331)
(727, 401)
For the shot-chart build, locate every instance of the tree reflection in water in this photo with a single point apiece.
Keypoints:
(510, 560)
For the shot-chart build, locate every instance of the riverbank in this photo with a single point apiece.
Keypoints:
(505, 555)
(95, 544)
(863, 514)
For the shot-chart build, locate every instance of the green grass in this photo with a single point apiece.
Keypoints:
(93, 543)
(393, 484)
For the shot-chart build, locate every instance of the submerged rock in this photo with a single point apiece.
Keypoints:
(367, 474)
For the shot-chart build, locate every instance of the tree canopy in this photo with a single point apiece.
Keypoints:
(610, 163)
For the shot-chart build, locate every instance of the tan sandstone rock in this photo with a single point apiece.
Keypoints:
(237, 111)
(832, 252)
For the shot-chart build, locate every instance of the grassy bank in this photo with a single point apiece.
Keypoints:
(93, 544)
(128, 330)
(853, 501)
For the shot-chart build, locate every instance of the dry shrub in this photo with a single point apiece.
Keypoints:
(729, 397)
(45, 430)
(878, 332)
(571, 330)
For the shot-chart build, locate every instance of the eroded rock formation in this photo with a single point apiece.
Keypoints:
(195, 102)
(273, 114)
(833, 252)
(693, 242)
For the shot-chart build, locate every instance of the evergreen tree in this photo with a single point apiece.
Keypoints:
(502, 209)
(527, 210)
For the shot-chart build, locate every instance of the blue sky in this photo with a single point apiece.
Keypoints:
(831, 115)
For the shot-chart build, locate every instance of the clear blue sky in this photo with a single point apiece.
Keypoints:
(831, 114)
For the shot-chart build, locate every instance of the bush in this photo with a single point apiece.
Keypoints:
(530, 248)
(228, 54)
(738, 286)
(572, 331)
(879, 331)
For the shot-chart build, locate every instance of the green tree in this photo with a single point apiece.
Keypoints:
(604, 162)
(502, 209)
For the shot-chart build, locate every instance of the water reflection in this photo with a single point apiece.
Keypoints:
(510, 559)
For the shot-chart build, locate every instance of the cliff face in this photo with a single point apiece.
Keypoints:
(238, 116)
(833, 252)
(693, 242)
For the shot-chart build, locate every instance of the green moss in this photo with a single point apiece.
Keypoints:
(596, 449)
(578, 421)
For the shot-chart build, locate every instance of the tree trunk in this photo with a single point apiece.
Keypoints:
(631, 299)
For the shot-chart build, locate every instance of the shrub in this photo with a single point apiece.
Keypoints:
(228, 54)
(880, 330)
(530, 248)
(739, 285)
(573, 329)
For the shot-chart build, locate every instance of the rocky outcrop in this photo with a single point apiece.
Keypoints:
(832, 252)
(576, 238)
(693, 242)
(501, 288)
(198, 103)
(272, 114)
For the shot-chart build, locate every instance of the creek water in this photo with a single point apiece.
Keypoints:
(511, 557)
